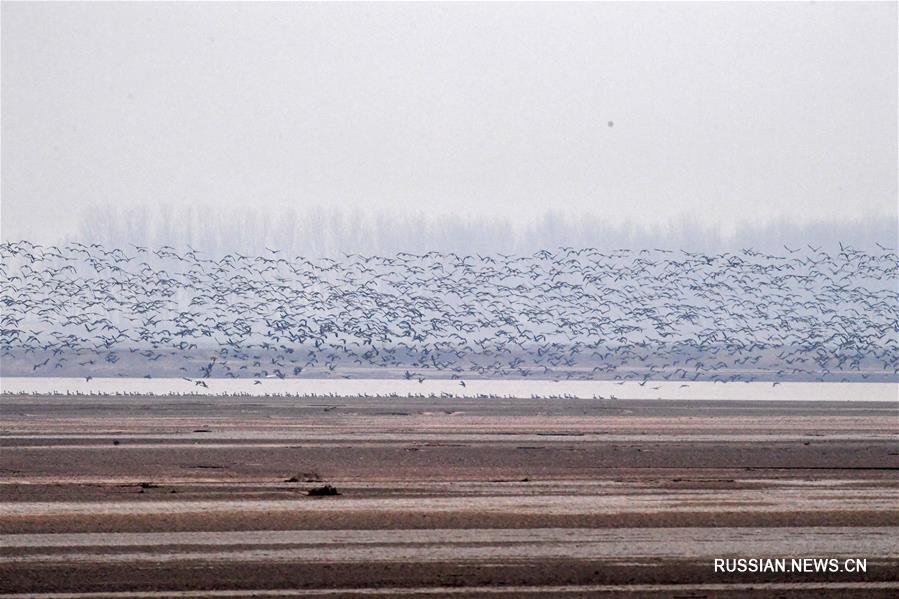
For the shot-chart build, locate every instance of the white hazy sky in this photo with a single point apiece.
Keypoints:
(726, 113)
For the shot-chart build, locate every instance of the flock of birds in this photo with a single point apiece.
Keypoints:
(568, 313)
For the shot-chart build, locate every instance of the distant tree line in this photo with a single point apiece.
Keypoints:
(332, 231)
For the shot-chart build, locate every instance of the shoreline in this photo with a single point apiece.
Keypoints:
(447, 388)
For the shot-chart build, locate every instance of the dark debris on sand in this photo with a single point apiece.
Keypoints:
(325, 491)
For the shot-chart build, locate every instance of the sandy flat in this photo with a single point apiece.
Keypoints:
(151, 496)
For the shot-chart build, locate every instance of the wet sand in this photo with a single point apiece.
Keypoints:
(207, 496)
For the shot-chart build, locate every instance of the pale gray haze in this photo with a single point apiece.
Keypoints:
(738, 118)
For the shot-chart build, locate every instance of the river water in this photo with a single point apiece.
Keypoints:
(787, 391)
